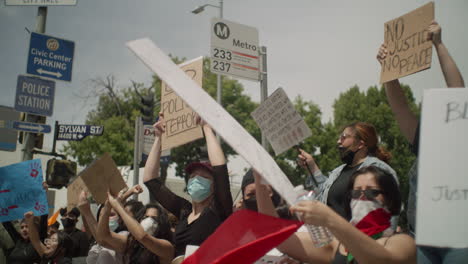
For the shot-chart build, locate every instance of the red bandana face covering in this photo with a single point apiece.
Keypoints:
(371, 218)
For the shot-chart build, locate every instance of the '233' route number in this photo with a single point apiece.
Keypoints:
(222, 54)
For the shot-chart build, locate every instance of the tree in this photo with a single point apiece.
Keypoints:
(117, 110)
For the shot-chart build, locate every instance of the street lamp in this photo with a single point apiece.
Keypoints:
(198, 10)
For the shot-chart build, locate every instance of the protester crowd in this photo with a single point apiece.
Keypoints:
(360, 203)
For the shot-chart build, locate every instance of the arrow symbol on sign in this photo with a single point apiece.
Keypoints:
(56, 74)
(39, 128)
(80, 136)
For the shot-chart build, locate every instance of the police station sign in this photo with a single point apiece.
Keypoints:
(35, 96)
(50, 57)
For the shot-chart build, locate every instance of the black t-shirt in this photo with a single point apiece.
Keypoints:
(211, 217)
(23, 252)
(81, 244)
(338, 191)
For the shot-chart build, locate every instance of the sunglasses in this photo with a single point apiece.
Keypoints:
(369, 193)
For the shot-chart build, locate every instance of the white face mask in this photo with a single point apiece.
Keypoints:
(149, 225)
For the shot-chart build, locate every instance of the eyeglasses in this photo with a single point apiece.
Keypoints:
(369, 193)
(344, 136)
(50, 241)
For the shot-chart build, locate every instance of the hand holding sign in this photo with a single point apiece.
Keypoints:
(435, 33)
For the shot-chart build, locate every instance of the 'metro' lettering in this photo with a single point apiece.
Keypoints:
(244, 45)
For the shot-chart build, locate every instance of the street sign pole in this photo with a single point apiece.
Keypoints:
(137, 153)
(263, 86)
(30, 138)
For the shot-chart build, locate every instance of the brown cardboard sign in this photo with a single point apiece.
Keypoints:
(181, 126)
(73, 192)
(102, 176)
(409, 51)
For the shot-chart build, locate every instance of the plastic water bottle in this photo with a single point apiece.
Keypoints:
(320, 235)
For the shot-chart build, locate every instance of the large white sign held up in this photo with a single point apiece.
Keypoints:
(280, 122)
(234, 50)
(215, 115)
(442, 205)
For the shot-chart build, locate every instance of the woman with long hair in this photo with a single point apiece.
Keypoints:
(372, 198)
(55, 249)
(359, 147)
(208, 187)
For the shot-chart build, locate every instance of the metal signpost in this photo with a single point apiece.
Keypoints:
(40, 2)
(50, 57)
(35, 96)
(234, 50)
(78, 132)
(31, 127)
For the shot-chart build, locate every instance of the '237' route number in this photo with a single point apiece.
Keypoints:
(222, 54)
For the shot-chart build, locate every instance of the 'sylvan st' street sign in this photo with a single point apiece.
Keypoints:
(78, 132)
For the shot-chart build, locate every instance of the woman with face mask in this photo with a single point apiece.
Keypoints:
(54, 249)
(149, 240)
(101, 252)
(208, 186)
(358, 148)
(372, 197)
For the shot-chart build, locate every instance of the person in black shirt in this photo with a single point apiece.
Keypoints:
(80, 239)
(23, 251)
(208, 186)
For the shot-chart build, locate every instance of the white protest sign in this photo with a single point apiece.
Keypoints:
(215, 115)
(280, 122)
(442, 205)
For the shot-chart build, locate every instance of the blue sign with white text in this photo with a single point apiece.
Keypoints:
(21, 190)
(50, 57)
(31, 127)
(35, 96)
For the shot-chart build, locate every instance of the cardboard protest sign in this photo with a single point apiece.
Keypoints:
(215, 115)
(181, 126)
(407, 44)
(442, 197)
(21, 190)
(282, 125)
(73, 192)
(102, 176)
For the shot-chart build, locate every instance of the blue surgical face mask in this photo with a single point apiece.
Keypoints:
(199, 188)
(113, 223)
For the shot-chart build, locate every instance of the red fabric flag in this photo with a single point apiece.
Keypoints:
(243, 238)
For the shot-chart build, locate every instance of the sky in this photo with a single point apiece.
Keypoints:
(316, 48)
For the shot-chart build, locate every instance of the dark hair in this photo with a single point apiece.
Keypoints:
(367, 133)
(247, 180)
(134, 250)
(135, 206)
(64, 245)
(387, 184)
(74, 211)
(56, 224)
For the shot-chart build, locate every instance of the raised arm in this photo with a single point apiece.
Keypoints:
(450, 70)
(134, 190)
(159, 247)
(398, 249)
(215, 152)
(153, 162)
(298, 245)
(40, 248)
(407, 120)
(104, 236)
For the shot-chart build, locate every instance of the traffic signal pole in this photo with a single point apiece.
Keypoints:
(137, 154)
(264, 86)
(30, 138)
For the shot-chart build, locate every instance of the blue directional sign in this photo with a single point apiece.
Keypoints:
(35, 96)
(31, 127)
(78, 132)
(50, 57)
